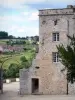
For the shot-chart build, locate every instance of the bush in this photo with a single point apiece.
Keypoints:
(23, 59)
(12, 71)
(24, 62)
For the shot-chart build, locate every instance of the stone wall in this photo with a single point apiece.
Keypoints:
(51, 80)
(24, 80)
(50, 12)
(71, 88)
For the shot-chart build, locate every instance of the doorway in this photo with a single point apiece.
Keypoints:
(35, 85)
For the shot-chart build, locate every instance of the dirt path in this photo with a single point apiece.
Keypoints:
(11, 93)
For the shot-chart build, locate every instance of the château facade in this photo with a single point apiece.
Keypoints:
(45, 76)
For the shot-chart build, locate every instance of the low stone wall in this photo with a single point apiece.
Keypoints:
(24, 75)
(71, 88)
(11, 80)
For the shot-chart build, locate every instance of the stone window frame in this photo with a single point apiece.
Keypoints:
(55, 57)
(55, 36)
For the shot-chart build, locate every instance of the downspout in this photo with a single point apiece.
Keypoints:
(67, 85)
(68, 29)
(68, 43)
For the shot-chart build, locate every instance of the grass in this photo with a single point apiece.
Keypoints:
(16, 58)
(3, 41)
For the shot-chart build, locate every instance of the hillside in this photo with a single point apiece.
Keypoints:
(28, 51)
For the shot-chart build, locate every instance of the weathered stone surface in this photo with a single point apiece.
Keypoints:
(51, 80)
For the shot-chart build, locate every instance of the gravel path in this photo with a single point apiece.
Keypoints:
(11, 93)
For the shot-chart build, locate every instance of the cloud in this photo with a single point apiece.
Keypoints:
(24, 31)
(23, 21)
(28, 31)
(34, 1)
(19, 25)
(21, 18)
(61, 1)
(18, 3)
(11, 19)
(25, 13)
(11, 3)
(33, 16)
(22, 3)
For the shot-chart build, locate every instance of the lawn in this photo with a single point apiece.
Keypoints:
(16, 58)
(3, 41)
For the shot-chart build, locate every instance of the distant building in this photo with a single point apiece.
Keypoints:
(1, 49)
(8, 48)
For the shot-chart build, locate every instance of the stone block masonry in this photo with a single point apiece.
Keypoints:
(45, 68)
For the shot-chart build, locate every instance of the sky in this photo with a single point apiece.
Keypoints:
(20, 17)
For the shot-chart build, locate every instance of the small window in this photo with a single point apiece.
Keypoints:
(55, 36)
(55, 22)
(43, 22)
(55, 57)
(37, 67)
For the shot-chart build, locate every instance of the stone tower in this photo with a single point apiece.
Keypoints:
(45, 77)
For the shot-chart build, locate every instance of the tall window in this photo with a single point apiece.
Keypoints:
(55, 57)
(55, 36)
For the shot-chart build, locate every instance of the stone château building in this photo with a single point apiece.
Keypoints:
(45, 77)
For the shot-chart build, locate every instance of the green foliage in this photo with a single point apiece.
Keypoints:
(11, 37)
(67, 58)
(16, 60)
(4, 73)
(17, 75)
(3, 35)
(23, 59)
(12, 71)
(15, 42)
(35, 38)
(24, 62)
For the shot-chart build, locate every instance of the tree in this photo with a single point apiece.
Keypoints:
(67, 58)
(2, 61)
(12, 70)
(36, 38)
(3, 35)
(24, 62)
(11, 37)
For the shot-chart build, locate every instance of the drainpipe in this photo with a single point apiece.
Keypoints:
(67, 84)
(68, 29)
(68, 43)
